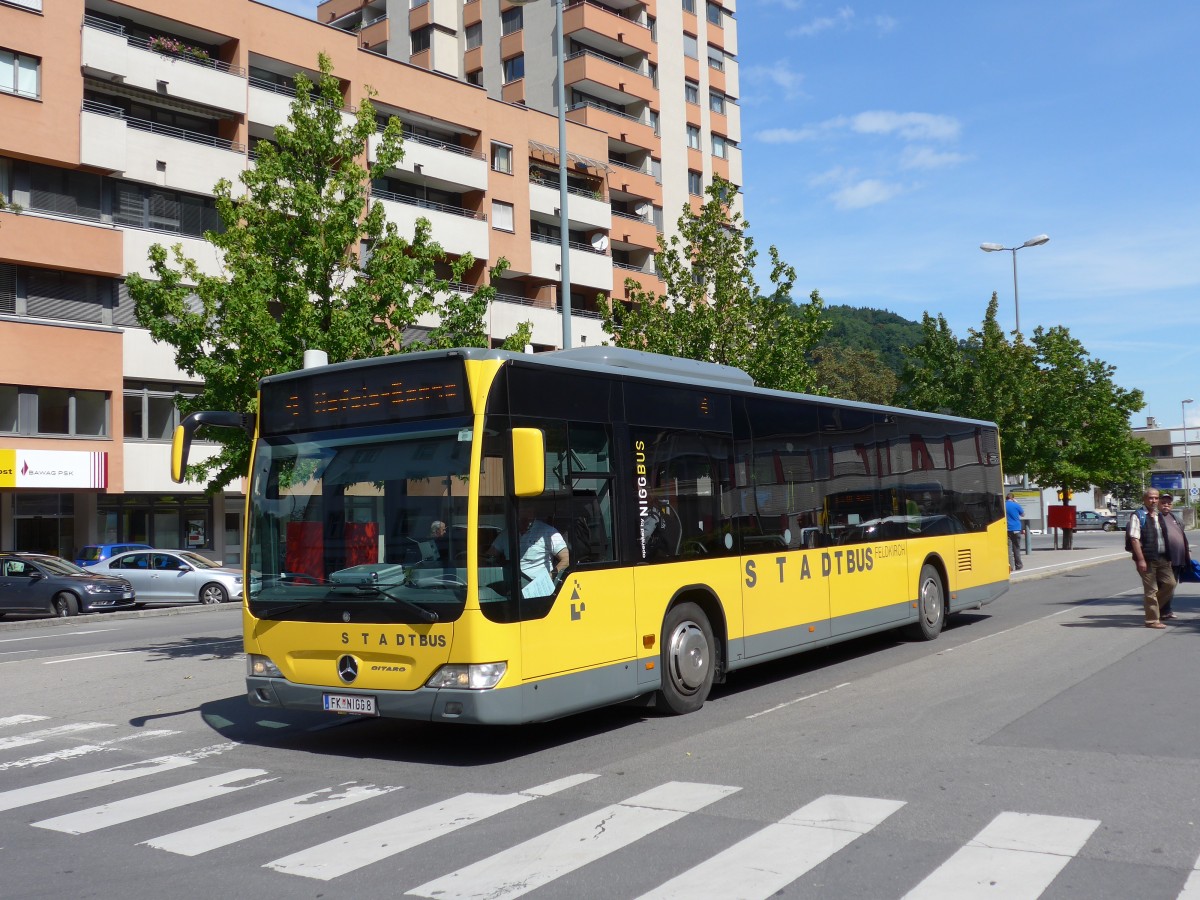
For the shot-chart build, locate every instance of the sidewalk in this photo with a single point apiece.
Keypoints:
(1091, 548)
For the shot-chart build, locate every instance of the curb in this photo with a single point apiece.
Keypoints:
(156, 612)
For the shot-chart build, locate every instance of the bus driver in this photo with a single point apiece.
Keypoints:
(544, 554)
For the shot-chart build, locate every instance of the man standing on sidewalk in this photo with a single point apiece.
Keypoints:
(1147, 541)
(1013, 513)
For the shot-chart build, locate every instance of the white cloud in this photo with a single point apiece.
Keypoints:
(912, 126)
(786, 135)
(843, 18)
(779, 75)
(868, 192)
(928, 158)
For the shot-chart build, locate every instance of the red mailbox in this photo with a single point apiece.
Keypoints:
(1061, 517)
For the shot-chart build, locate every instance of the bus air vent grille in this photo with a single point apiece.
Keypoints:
(964, 561)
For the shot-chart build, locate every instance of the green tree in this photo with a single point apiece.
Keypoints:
(880, 331)
(1062, 418)
(307, 264)
(712, 309)
(853, 374)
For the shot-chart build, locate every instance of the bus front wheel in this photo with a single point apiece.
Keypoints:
(688, 659)
(931, 605)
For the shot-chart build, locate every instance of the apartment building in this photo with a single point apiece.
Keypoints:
(120, 118)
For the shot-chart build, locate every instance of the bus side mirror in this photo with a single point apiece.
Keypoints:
(181, 440)
(529, 462)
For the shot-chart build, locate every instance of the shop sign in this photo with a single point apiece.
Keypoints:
(53, 469)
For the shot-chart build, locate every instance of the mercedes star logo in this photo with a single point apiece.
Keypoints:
(347, 669)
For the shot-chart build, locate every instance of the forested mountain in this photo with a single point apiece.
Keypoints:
(877, 330)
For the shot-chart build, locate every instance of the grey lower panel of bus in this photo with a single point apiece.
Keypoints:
(763, 647)
(534, 702)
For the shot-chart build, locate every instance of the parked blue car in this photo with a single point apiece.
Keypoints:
(93, 553)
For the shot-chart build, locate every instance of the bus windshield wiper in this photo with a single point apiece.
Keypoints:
(384, 590)
(276, 611)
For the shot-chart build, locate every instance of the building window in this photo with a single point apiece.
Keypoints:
(691, 92)
(716, 102)
(420, 39)
(652, 24)
(720, 147)
(514, 69)
(693, 136)
(8, 408)
(716, 59)
(502, 216)
(61, 411)
(150, 413)
(695, 184)
(475, 78)
(502, 158)
(20, 74)
(654, 120)
(511, 20)
(691, 49)
(474, 35)
(143, 206)
(713, 12)
(689, 6)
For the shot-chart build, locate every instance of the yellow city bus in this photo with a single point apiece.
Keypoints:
(708, 524)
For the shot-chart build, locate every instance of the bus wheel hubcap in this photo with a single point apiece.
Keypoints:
(689, 657)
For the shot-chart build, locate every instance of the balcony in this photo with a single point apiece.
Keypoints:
(156, 154)
(270, 104)
(110, 54)
(627, 179)
(634, 230)
(507, 312)
(610, 80)
(137, 243)
(458, 230)
(648, 281)
(374, 34)
(603, 28)
(584, 210)
(628, 133)
(444, 165)
(589, 268)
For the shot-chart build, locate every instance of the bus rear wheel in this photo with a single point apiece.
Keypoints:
(688, 659)
(931, 605)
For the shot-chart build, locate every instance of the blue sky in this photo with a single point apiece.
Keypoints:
(883, 142)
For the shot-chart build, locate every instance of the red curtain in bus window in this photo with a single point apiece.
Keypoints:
(306, 547)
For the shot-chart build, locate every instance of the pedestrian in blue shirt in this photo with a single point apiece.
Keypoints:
(1013, 513)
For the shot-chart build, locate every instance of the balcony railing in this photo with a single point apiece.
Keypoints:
(621, 165)
(631, 268)
(591, 104)
(571, 189)
(606, 9)
(608, 59)
(288, 91)
(574, 245)
(143, 44)
(624, 215)
(170, 131)
(429, 204)
(440, 145)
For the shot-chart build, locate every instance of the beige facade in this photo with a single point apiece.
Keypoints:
(120, 118)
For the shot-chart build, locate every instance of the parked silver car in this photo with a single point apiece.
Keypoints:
(1086, 520)
(174, 576)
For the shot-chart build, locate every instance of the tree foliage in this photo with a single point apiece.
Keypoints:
(1062, 418)
(712, 309)
(853, 374)
(307, 263)
(884, 333)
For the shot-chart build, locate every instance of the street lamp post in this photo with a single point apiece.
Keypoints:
(564, 231)
(1187, 460)
(1032, 242)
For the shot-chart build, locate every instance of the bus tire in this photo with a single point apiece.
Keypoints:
(931, 605)
(688, 659)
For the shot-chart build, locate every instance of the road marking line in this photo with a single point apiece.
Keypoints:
(798, 700)
(64, 787)
(1191, 890)
(81, 750)
(540, 860)
(378, 842)
(36, 737)
(231, 829)
(24, 719)
(1016, 856)
(55, 662)
(108, 814)
(42, 637)
(768, 861)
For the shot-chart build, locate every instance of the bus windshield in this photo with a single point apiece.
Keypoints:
(360, 526)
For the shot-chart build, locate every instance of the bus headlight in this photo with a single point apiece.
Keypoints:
(477, 677)
(261, 667)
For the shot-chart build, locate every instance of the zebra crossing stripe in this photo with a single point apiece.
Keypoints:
(540, 860)
(231, 829)
(378, 842)
(21, 720)
(1016, 856)
(64, 787)
(82, 750)
(36, 737)
(1191, 890)
(769, 860)
(89, 820)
